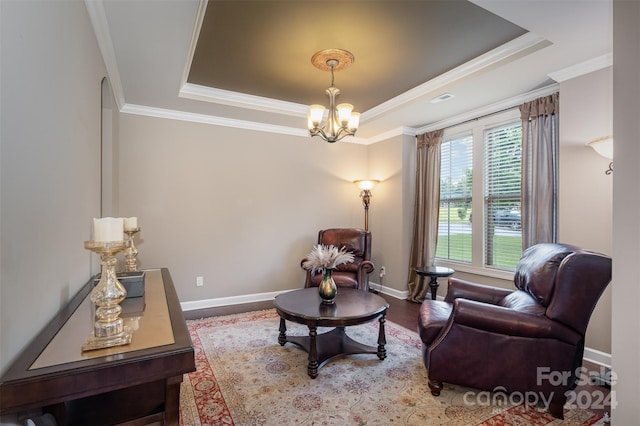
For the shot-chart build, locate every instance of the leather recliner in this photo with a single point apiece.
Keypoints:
(519, 340)
(354, 274)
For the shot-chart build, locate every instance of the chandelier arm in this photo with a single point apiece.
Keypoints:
(331, 118)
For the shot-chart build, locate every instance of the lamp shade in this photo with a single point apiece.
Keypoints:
(366, 184)
(603, 146)
(315, 114)
(354, 121)
(344, 112)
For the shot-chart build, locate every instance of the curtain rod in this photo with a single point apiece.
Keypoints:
(489, 114)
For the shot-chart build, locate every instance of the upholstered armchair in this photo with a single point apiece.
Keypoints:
(355, 274)
(520, 340)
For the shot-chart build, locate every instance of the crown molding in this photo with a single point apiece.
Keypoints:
(242, 100)
(209, 119)
(295, 131)
(512, 49)
(398, 131)
(225, 122)
(582, 68)
(98, 18)
(202, 8)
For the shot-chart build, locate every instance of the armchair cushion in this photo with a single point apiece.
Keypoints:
(536, 271)
(508, 322)
(354, 274)
(521, 301)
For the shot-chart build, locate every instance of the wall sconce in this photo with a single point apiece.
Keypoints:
(365, 193)
(604, 147)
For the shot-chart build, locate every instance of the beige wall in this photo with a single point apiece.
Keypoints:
(50, 162)
(238, 207)
(586, 193)
(391, 213)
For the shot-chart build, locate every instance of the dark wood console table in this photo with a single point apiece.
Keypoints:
(133, 384)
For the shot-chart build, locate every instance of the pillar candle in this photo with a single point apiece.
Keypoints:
(130, 223)
(108, 229)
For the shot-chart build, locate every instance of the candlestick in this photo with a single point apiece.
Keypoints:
(131, 252)
(108, 328)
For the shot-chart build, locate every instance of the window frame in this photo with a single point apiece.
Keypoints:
(477, 128)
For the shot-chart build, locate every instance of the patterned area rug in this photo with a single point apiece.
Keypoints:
(244, 377)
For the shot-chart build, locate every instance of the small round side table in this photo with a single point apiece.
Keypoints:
(434, 272)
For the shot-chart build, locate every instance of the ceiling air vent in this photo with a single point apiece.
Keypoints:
(442, 98)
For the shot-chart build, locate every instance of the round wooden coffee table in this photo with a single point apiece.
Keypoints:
(351, 307)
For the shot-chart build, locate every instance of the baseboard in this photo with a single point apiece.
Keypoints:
(592, 355)
(261, 297)
(597, 357)
(233, 300)
(388, 291)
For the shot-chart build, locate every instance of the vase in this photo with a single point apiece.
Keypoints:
(327, 288)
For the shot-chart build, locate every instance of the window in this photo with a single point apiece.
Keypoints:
(480, 225)
(456, 180)
(502, 166)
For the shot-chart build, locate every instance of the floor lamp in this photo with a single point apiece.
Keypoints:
(365, 193)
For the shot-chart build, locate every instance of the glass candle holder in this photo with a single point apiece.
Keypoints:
(108, 328)
(131, 252)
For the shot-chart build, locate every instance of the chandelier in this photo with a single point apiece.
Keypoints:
(341, 121)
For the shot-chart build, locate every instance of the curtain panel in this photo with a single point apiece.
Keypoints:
(426, 211)
(539, 191)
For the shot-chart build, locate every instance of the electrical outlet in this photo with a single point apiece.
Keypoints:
(383, 271)
(199, 281)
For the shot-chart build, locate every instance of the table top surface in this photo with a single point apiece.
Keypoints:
(437, 271)
(349, 305)
(151, 326)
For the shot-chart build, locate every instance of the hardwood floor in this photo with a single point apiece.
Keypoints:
(401, 312)
(405, 313)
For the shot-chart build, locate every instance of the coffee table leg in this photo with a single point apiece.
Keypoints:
(312, 369)
(382, 340)
(282, 337)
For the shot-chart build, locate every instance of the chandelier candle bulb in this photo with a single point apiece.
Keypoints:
(108, 229)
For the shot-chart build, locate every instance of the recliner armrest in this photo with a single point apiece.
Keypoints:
(367, 266)
(467, 290)
(506, 321)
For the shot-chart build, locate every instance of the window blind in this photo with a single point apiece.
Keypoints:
(503, 225)
(456, 179)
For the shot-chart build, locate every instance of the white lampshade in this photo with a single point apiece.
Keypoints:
(603, 146)
(354, 121)
(315, 114)
(366, 184)
(344, 112)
